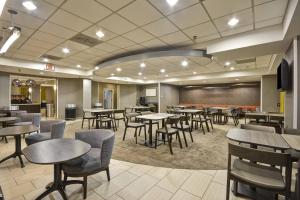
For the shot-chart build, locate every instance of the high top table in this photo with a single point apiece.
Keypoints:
(17, 132)
(55, 152)
(151, 118)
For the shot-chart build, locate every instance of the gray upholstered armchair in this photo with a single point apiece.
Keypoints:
(28, 119)
(97, 160)
(49, 129)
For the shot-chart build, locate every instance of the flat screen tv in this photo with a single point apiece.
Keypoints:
(283, 76)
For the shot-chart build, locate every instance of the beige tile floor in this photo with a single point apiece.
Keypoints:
(128, 182)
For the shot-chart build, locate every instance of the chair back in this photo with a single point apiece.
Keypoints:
(35, 118)
(58, 129)
(291, 131)
(47, 125)
(267, 129)
(17, 113)
(87, 113)
(184, 119)
(171, 121)
(146, 112)
(99, 138)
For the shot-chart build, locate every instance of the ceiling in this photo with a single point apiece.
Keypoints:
(131, 25)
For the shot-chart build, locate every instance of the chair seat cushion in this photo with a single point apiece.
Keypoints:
(85, 164)
(22, 123)
(170, 130)
(37, 137)
(133, 124)
(263, 176)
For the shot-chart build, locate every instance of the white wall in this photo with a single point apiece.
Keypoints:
(87, 94)
(5, 89)
(269, 94)
(128, 95)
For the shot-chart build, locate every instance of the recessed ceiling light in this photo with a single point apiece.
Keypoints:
(140, 73)
(162, 71)
(78, 66)
(145, 78)
(227, 63)
(194, 72)
(184, 63)
(66, 50)
(142, 65)
(96, 68)
(233, 21)
(119, 69)
(231, 68)
(29, 5)
(166, 75)
(46, 60)
(100, 34)
(237, 79)
(112, 74)
(172, 2)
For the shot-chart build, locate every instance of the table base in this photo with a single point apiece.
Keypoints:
(150, 144)
(253, 193)
(18, 152)
(4, 139)
(57, 185)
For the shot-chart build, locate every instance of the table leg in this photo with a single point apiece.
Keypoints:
(297, 186)
(150, 132)
(57, 184)
(18, 151)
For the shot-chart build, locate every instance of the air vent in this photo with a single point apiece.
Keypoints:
(244, 61)
(50, 57)
(85, 40)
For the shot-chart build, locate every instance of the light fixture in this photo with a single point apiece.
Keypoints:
(142, 65)
(184, 63)
(29, 5)
(2, 4)
(166, 75)
(227, 63)
(194, 73)
(119, 69)
(100, 34)
(112, 74)
(96, 68)
(140, 73)
(65, 50)
(78, 66)
(30, 90)
(145, 78)
(16, 83)
(46, 60)
(233, 21)
(14, 35)
(162, 71)
(231, 68)
(172, 2)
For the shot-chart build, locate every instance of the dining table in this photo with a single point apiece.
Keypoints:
(266, 116)
(100, 111)
(188, 112)
(4, 121)
(260, 138)
(55, 152)
(153, 117)
(17, 132)
(138, 108)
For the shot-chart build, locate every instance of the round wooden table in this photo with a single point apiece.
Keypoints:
(17, 132)
(3, 121)
(55, 152)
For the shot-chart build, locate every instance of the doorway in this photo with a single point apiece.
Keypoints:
(108, 98)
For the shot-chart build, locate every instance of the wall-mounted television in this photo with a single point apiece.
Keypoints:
(283, 76)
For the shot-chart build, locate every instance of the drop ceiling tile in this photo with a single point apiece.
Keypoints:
(39, 44)
(69, 20)
(217, 8)
(94, 29)
(55, 2)
(121, 42)
(165, 8)
(25, 31)
(96, 52)
(57, 30)
(154, 43)
(46, 37)
(189, 17)
(73, 46)
(138, 35)
(207, 38)
(270, 10)
(201, 30)
(140, 12)
(23, 19)
(33, 49)
(135, 47)
(160, 27)
(174, 38)
(244, 16)
(257, 2)
(43, 11)
(270, 22)
(237, 30)
(87, 9)
(117, 24)
(115, 4)
(106, 47)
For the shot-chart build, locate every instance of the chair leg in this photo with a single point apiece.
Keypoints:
(82, 123)
(207, 127)
(125, 131)
(155, 142)
(203, 128)
(211, 124)
(186, 144)
(145, 133)
(228, 189)
(191, 135)
(107, 173)
(65, 180)
(140, 131)
(89, 123)
(170, 143)
(84, 187)
(180, 144)
(135, 134)
(93, 123)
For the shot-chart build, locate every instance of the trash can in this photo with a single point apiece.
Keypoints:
(50, 110)
(70, 112)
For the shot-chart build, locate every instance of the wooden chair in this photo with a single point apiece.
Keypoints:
(118, 115)
(106, 119)
(135, 125)
(167, 132)
(254, 173)
(199, 119)
(185, 127)
(88, 116)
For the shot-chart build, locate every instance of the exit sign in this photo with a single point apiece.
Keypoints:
(49, 67)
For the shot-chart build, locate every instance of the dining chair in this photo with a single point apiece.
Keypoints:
(106, 119)
(88, 116)
(199, 119)
(28, 119)
(95, 161)
(184, 126)
(49, 129)
(118, 115)
(167, 132)
(250, 166)
(137, 126)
